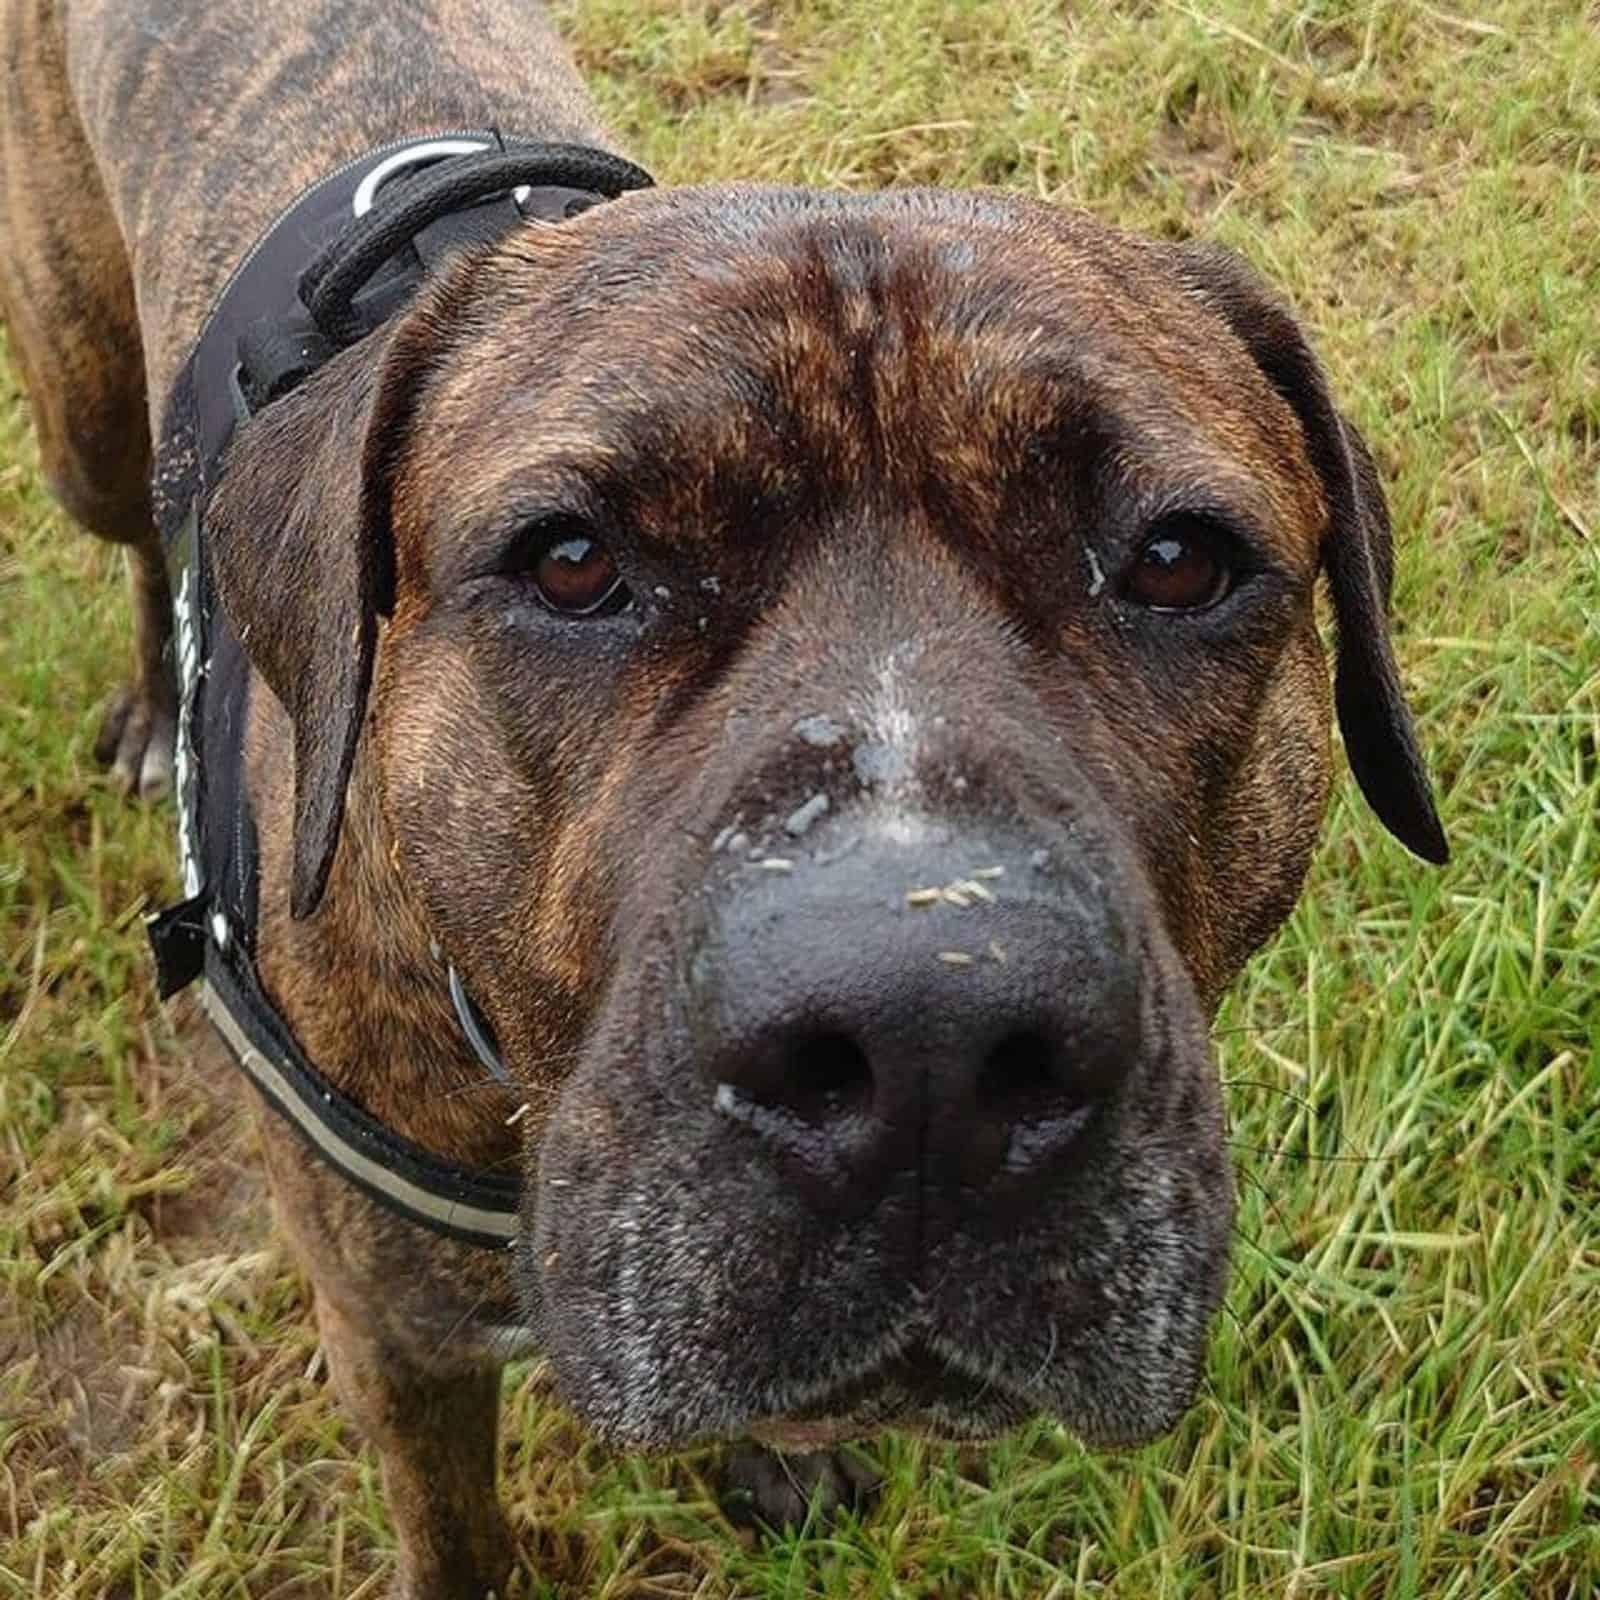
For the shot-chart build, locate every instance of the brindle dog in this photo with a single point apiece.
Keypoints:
(760, 561)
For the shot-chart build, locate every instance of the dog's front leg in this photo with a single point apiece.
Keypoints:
(398, 1311)
(434, 1432)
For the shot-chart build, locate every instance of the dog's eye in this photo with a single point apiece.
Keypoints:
(576, 578)
(1182, 566)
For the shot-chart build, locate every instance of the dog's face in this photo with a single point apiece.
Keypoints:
(849, 703)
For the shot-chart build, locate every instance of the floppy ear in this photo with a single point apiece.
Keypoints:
(1357, 551)
(300, 546)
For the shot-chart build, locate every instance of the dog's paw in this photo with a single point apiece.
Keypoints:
(763, 1487)
(136, 742)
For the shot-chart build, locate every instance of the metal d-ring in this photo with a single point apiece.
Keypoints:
(476, 1027)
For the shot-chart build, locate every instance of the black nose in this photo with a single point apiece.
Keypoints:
(957, 1019)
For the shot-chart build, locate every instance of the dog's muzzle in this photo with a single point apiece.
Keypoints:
(917, 1135)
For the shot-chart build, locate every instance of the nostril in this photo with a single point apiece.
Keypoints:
(825, 1076)
(1020, 1080)
(807, 1093)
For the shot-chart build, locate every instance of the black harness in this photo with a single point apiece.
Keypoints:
(346, 255)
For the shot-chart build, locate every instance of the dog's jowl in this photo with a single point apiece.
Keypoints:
(731, 738)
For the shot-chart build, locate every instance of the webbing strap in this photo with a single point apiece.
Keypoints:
(343, 257)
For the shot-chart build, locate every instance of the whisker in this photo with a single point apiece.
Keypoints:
(1266, 1194)
(477, 1086)
(489, 1081)
(461, 1322)
(1049, 1356)
(1251, 1239)
(1280, 1153)
(1272, 1088)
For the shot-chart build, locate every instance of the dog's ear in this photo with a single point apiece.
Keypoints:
(1357, 550)
(299, 542)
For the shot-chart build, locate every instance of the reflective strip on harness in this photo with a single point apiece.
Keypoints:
(402, 1178)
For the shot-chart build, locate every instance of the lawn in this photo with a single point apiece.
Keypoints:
(1403, 1396)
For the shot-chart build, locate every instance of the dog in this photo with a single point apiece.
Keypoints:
(835, 678)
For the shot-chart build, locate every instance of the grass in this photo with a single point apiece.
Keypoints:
(1404, 1393)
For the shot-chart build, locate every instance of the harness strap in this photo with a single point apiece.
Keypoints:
(474, 1207)
(328, 286)
(346, 255)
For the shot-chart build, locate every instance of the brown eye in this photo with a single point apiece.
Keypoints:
(1180, 568)
(576, 578)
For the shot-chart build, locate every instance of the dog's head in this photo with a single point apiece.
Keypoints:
(848, 698)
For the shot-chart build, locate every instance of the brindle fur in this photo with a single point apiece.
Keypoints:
(872, 460)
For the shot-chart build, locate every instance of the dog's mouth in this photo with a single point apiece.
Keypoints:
(916, 1391)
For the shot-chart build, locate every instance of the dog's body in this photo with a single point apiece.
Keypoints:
(918, 500)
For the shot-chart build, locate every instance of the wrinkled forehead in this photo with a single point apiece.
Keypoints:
(725, 344)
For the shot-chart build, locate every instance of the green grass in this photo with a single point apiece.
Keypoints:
(1404, 1394)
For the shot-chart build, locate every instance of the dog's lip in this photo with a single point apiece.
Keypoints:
(917, 1389)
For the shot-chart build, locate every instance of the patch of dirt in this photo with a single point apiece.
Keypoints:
(1333, 47)
(226, 1205)
(85, 1382)
(1204, 164)
(1404, 126)
(777, 77)
(105, 1358)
